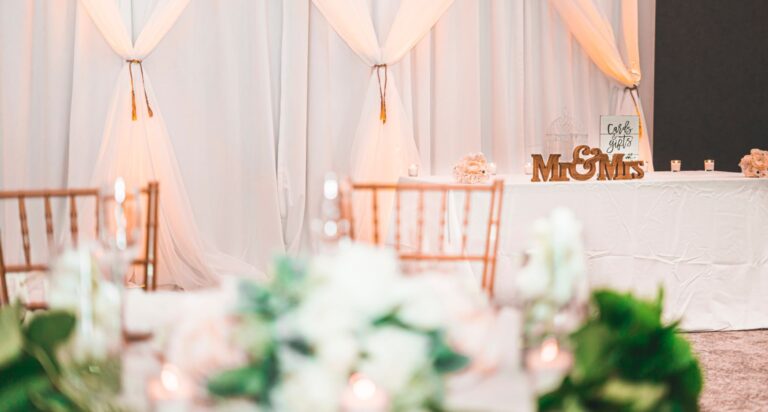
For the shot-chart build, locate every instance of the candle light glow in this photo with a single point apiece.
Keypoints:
(362, 387)
(549, 350)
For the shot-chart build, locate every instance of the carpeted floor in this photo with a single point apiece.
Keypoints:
(735, 366)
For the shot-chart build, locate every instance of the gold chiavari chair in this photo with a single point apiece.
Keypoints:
(146, 263)
(378, 233)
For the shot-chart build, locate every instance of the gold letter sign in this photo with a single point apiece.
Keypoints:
(613, 168)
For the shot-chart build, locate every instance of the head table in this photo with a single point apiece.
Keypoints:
(700, 235)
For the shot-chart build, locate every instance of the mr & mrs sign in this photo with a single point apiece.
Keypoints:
(606, 168)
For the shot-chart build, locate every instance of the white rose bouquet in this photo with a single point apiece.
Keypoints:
(315, 328)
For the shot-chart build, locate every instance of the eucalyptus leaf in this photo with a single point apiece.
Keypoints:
(594, 357)
(12, 341)
(247, 381)
(50, 329)
(641, 397)
(446, 360)
(52, 401)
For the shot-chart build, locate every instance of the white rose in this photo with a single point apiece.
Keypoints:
(65, 282)
(422, 306)
(326, 314)
(534, 279)
(203, 346)
(354, 279)
(394, 355)
(309, 388)
(339, 353)
(355, 261)
(106, 307)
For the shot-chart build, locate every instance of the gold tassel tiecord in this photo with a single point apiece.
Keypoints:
(637, 111)
(382, 91)
(131, 62)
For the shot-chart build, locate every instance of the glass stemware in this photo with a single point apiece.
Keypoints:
(119, 230)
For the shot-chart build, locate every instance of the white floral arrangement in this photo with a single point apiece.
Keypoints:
(471, 169)
(554, 276)
(755, 164)
(348, 327)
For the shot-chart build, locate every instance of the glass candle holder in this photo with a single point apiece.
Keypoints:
(363, 395)
(709, 165)
(546, 364)
(528, 168)
(413, 170)
(492, 168)
(675, 165)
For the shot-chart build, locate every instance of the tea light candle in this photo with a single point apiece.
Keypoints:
(528, 168)
(492, 168)
(413, 170)
(709, 165)
(547, 364)
(675, 165)
(170, 392)
(363, 395)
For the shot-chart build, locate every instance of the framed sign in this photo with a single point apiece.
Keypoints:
(620, 134)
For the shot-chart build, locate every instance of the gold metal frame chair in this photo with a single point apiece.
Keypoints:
(491, 235)
(148, 262)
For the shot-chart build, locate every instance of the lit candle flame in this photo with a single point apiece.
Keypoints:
(362, 387)
(170, 378)
(549, 350)
(331, 186)
(119, 190)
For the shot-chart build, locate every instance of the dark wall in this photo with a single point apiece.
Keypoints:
(711, 91)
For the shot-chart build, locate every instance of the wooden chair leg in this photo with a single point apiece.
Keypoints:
(4, 298)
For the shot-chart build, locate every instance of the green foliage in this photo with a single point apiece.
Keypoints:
(444, 359)
(28, 367)
(626, 359)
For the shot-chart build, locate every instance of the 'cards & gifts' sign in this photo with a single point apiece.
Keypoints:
(620, 134)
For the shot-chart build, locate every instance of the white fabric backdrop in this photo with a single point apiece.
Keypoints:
(261, 98)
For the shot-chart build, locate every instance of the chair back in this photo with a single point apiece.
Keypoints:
(429, 221)
(71, 199)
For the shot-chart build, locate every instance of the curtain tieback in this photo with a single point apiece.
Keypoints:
(637, 109)
(382, 91)
(131, 62)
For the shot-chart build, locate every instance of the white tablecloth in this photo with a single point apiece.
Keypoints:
(702, 235)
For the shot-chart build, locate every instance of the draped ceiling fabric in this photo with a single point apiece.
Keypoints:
(595, 35)
(260, 99)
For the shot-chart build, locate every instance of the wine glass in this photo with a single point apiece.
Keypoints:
(119, 230)
(120, 234)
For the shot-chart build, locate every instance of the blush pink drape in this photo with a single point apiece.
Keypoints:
(595, 34)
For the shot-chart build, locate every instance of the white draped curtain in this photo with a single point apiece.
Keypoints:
(260, 99)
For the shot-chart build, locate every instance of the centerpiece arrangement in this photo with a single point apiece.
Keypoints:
(346, 331)
(755, 164)
(473, 168)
